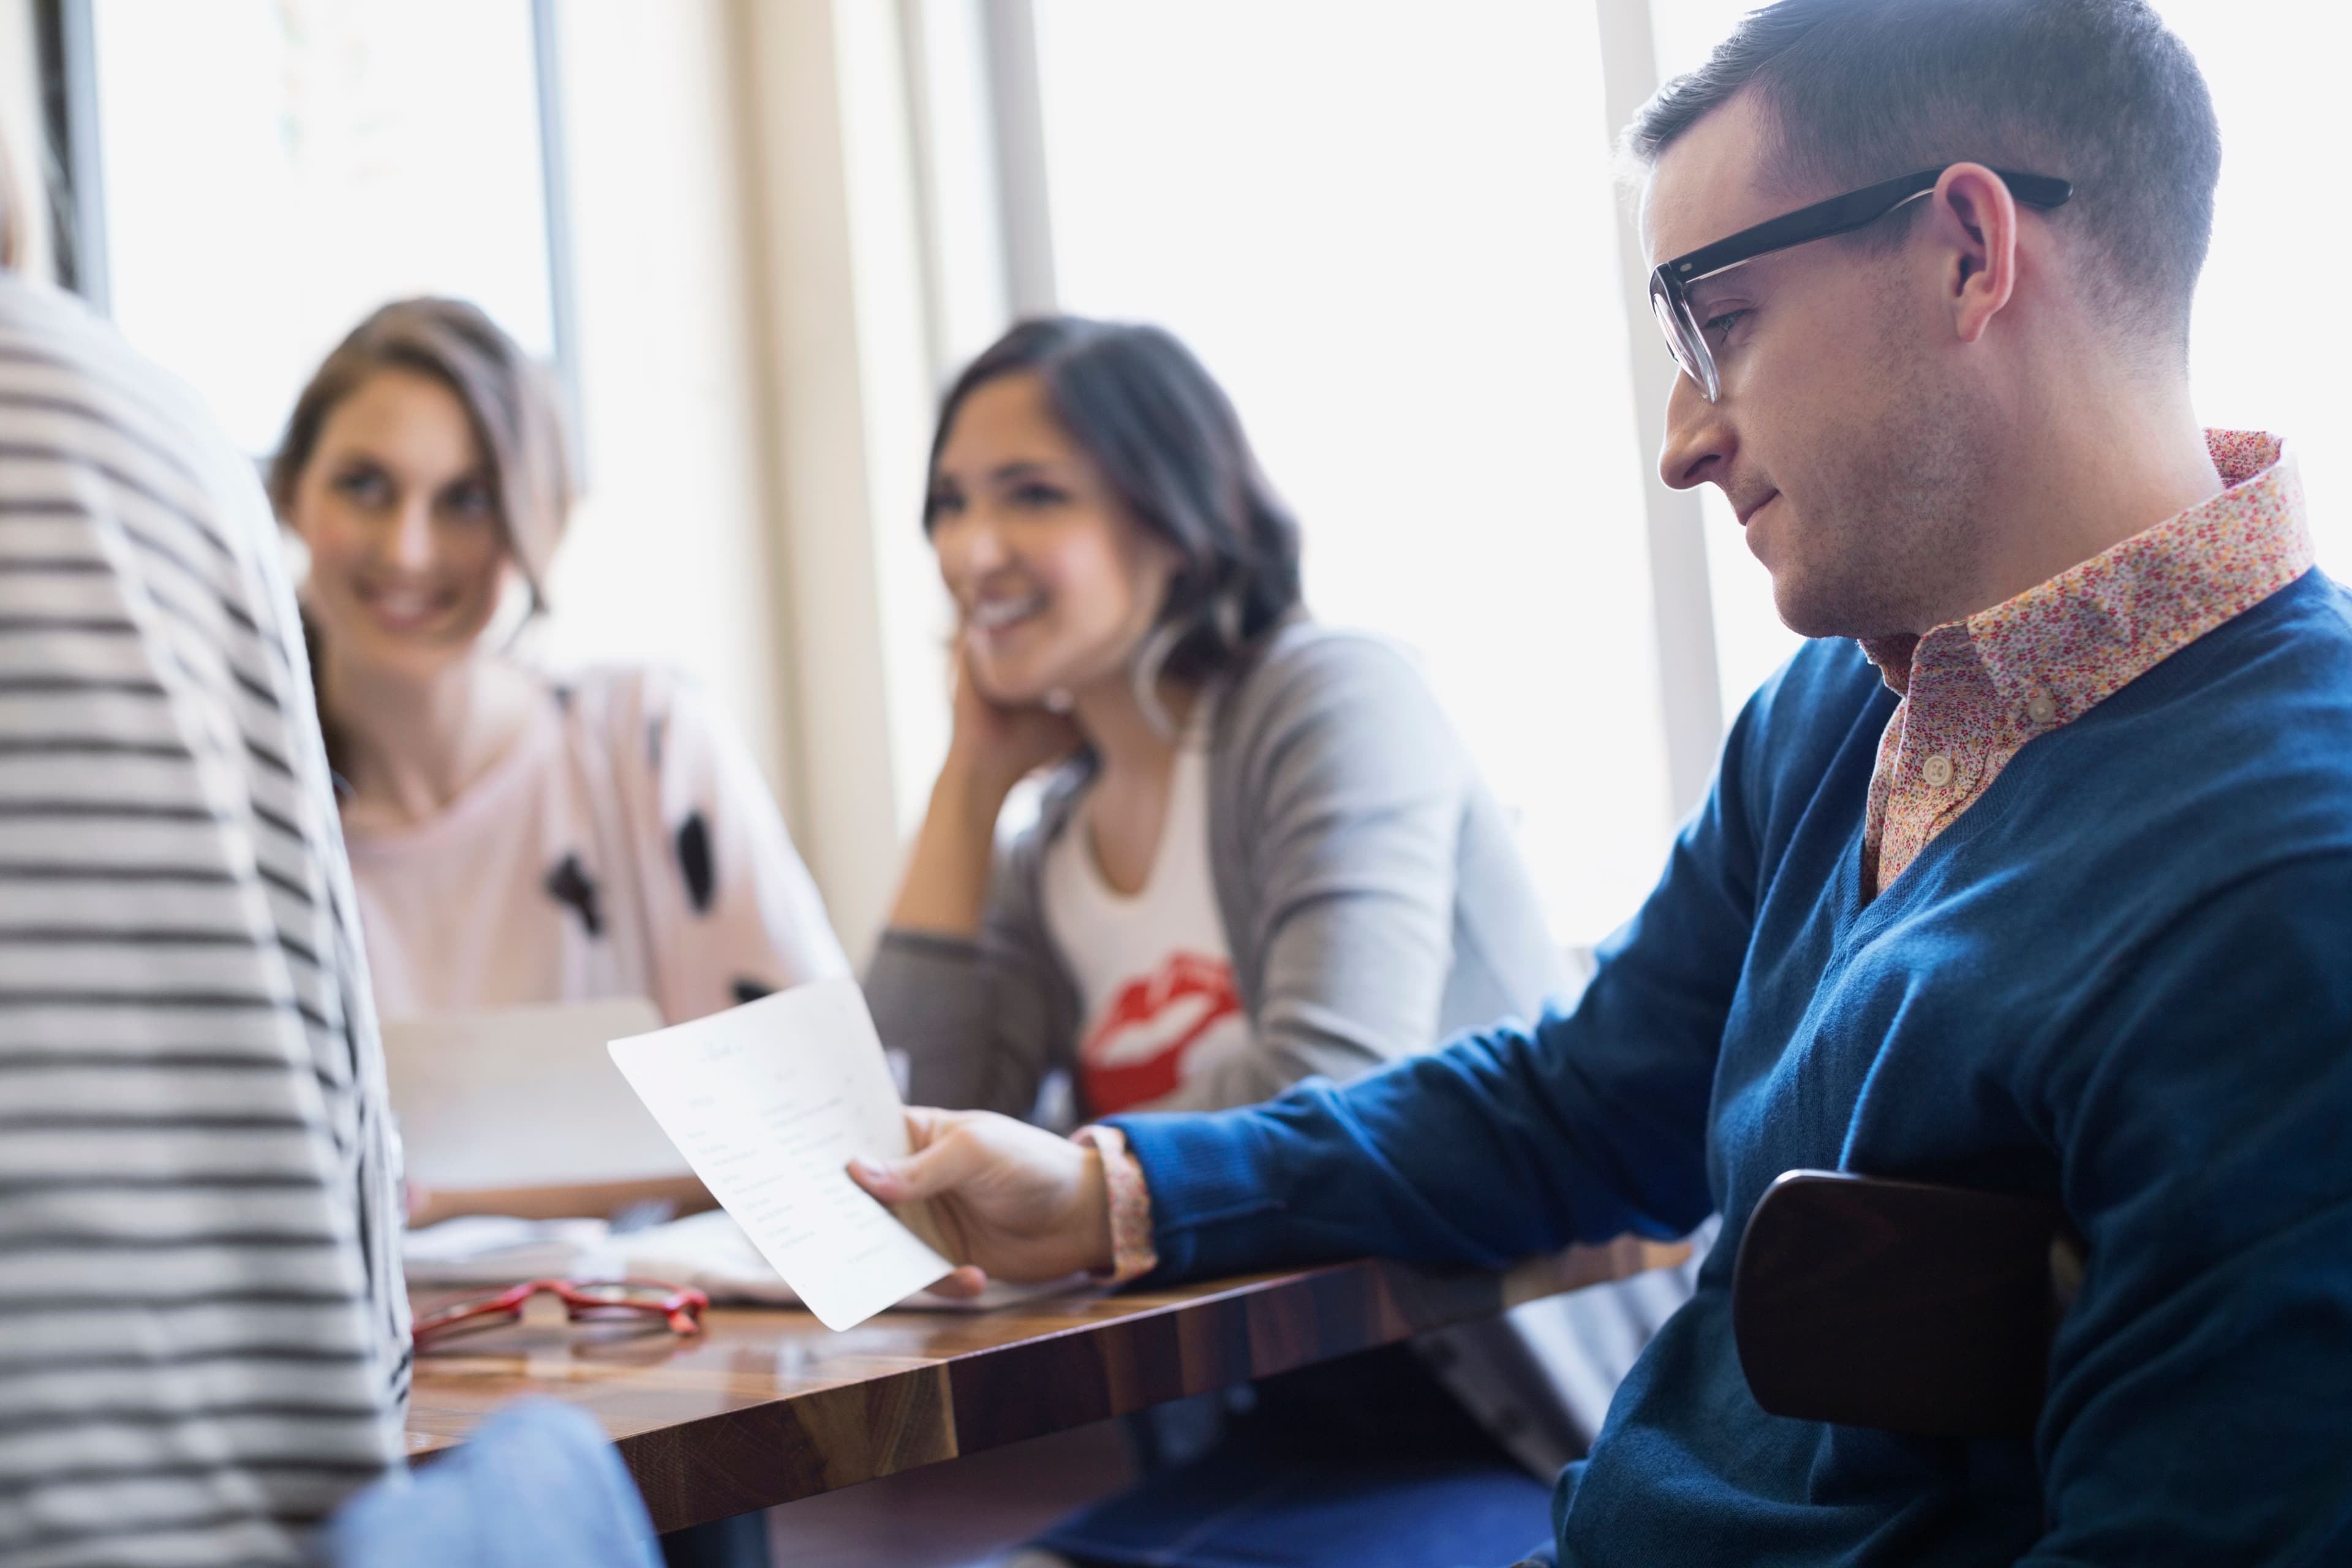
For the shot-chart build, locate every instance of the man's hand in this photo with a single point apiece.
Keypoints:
(1011, 1200)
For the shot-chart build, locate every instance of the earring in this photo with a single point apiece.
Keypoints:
(1151, 657)
(1225, 613)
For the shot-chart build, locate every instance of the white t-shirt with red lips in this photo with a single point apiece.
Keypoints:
(1154, 974)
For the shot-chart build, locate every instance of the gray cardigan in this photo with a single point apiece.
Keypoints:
(1374, 902)
(1373, 899)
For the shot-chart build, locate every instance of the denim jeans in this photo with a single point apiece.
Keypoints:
(1360, 1463)
(538, 1484)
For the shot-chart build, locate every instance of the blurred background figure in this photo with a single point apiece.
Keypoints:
(1263, 853)
(517, 836)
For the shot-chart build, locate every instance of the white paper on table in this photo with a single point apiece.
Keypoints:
(517, 1097)
(769, 1102)
(498, 1250)
(710, 1252)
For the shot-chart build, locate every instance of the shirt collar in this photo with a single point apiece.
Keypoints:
(2098, 625)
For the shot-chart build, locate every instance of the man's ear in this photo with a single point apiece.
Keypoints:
(1974, 218)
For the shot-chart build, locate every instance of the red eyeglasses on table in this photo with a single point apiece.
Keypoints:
(681, 1305)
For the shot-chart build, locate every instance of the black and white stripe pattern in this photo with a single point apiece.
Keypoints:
(203, 1337)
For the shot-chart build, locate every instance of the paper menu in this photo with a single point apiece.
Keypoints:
(769, 1102)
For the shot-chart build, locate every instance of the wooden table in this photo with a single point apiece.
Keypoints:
(767, 1405)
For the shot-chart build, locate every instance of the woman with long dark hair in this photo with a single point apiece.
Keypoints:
(1263, 853)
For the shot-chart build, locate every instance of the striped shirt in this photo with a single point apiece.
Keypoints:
(203, 1338)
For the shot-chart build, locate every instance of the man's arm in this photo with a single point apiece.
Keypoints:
(1504, 1143)
(1507, 1142)
(2201, 1389)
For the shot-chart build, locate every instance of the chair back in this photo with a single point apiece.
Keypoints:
(1902, 1305)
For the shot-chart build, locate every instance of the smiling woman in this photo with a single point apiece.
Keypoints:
(517, 835)
(1263, 853)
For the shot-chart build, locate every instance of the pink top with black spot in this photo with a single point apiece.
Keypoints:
(626, 846)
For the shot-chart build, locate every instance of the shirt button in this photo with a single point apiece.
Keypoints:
(1937, 770)
(2041, 708)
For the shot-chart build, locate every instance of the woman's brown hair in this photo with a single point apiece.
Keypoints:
(509, 401)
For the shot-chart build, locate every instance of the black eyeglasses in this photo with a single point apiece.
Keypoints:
(1669, 300)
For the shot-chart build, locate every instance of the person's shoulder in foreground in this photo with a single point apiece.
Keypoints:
(207, 1340)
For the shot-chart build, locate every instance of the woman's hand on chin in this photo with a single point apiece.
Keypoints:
(998, 744)
(994, 747)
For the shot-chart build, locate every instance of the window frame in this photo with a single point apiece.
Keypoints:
(66, 36)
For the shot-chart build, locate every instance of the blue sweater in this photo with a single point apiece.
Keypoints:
(2123, 977)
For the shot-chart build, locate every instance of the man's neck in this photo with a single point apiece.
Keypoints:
(2082, 481)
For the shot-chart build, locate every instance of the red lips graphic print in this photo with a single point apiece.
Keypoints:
(1137, 1049)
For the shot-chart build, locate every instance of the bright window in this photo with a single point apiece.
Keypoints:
(2263, 349)
(1750, 643)
(1387, 227)
(273, 172)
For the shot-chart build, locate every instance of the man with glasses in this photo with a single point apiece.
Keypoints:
(2033, 874)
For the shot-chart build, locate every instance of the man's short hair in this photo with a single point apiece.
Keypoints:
(2095, 91)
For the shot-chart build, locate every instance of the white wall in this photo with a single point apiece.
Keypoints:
(670, 552)
(842, 286)
(755, 372)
